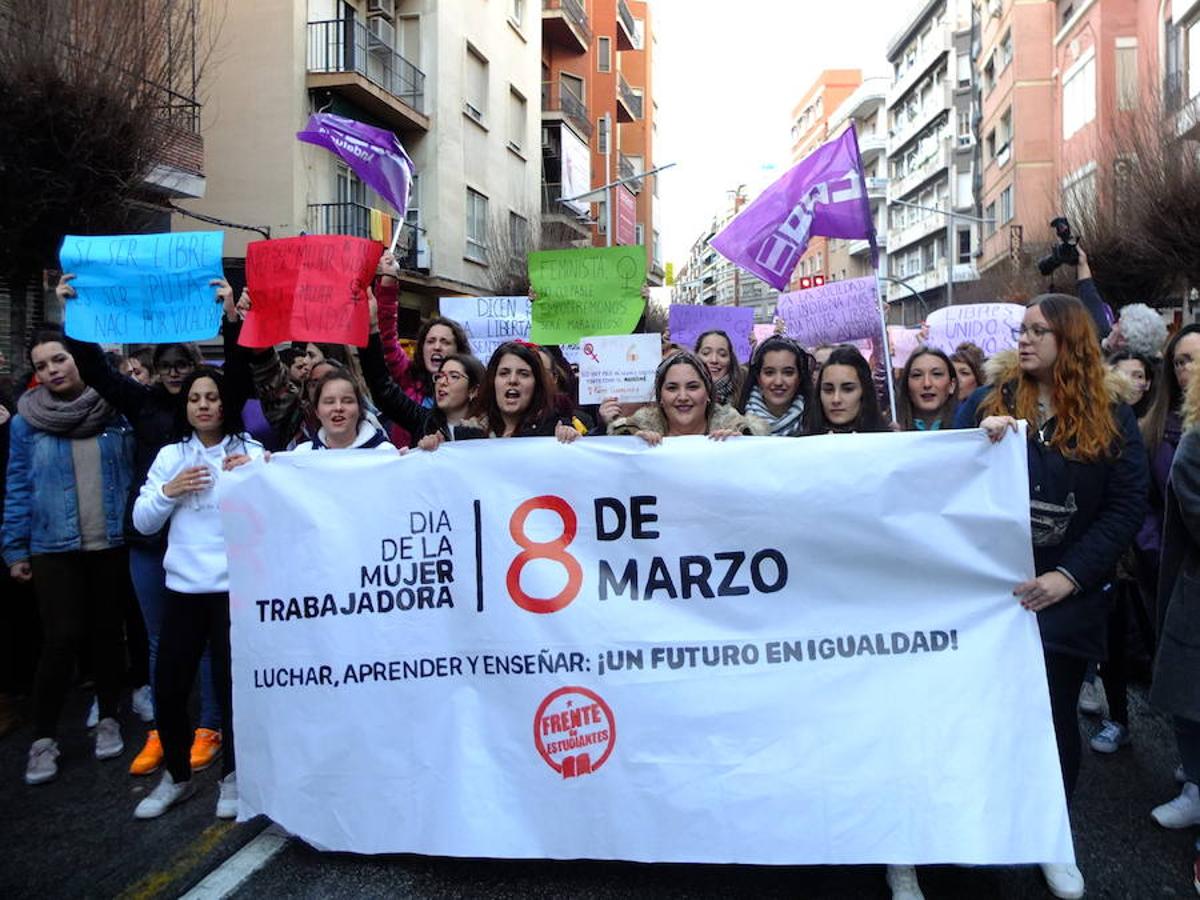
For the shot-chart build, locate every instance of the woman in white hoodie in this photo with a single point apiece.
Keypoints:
(341, 409)
(180, 489)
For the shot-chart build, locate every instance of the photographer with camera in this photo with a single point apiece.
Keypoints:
(1068, 252)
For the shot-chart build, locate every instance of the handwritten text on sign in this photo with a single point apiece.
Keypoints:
(687, 322)
(143, 288)
(591, 290)
(837, 312)
(489, 321)
(309, 288)
(987, 325)
(620, 366)
(574, 630)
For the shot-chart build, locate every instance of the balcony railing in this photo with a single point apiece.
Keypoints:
(625, 167)
(578, 31)
(632, 102)
(354, 219)
(628, 40)
(561, 101)
(340, 46)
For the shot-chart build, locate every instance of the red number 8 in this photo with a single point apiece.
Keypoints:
(553, 550)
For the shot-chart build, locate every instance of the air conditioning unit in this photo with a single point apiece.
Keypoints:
(385, 8)
(382, 34)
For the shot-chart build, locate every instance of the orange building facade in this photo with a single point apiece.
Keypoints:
(597, 89)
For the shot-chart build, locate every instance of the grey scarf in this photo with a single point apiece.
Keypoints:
(84, 417)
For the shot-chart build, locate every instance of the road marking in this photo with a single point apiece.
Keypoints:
(232, 873)
(156, 883)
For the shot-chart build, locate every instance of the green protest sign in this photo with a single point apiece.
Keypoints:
(588, 291)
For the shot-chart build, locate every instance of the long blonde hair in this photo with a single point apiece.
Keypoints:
(1191, 398)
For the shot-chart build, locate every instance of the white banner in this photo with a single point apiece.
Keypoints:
(576, 170)
(757, 651)
(489, 321)
(621, 366)
(987, 325)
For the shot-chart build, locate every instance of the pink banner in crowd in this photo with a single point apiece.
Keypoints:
(687, 322)
(834, 313)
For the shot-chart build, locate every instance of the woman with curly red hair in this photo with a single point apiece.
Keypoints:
(1087, 489)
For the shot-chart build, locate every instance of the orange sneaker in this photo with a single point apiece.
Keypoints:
(205, 748)
(150, 760)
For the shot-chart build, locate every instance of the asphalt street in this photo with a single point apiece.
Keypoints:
(76, 837)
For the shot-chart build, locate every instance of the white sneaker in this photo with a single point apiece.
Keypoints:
(93, 716)
(1182, 812)
(903, 882)
(227, 800)
(142, 703)
(108, 739)
(1064, 880)
(43, 761)
(1091, 698)
(163, 797)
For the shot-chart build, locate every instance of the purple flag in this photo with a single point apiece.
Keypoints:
(823, 194)
(374, 154)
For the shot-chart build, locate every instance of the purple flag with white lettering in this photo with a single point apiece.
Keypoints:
(823, 194)
(374, 154)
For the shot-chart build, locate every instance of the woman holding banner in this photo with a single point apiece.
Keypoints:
(180, 494)
(69, 467)
(1087, 484)
(928, 396)
(341, 411)
(685, 405)
(846, 401)
(777, 389)
(151, 409)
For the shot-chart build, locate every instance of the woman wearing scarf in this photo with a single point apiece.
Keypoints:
(69, 469)
(776, 390)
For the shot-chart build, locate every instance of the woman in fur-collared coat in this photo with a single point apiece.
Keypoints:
(684, 404)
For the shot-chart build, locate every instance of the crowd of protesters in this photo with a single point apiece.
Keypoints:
(112, 463)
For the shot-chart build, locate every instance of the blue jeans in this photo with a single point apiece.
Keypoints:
(150, 585)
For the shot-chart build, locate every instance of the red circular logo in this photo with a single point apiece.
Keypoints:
(574, 731)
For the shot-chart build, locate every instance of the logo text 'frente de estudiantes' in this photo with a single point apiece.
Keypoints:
(574, 731)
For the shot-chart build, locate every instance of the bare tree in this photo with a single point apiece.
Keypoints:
(93, 94)
(509, 245)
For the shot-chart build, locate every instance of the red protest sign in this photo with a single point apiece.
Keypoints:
(309, 288)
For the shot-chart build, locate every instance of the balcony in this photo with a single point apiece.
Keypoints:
(559, 104)
(559, 220)
(929, 223)
(938, 46)
(862, 247)
(941, 102)
(565, 25)
(899, 188)
(871, 145)
(877, 188)
(626, 27)
(354, 219)
(626, 169)
(349, 59)
(863, 104)
(925, 281)
(629, 104)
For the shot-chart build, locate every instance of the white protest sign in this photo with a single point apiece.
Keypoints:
(620, 366)
(903, 342)
(987, 325)
(609, 650)
(489, 321)
(834, 313)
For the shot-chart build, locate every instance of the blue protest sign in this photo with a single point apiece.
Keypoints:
(143, 288)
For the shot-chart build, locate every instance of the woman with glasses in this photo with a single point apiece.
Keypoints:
(1087, 489)
(151, 411)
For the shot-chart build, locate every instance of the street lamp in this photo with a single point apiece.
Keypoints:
(608, 189)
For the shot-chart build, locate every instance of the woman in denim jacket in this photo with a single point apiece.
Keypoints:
(69, 468)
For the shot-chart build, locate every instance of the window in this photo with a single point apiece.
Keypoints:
(604, 54)
(1006, 51)
(517, 12)
(1193, 59)
(990, 215)
(477, 225)
(1079, 94)
(571, 84)
(656, 249)
(517, 119)
(602, 217)
(518, 235)
(1126, 58)
(964, 69)
(1006, 205)
(350, 188)
(990, 146)
(602, 134)
(477, 85)
(964, 125)
(639, 231)
(989, 75)
(964, 245)
(1079, 192)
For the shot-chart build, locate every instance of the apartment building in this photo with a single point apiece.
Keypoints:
(455, 82)
(597, 96)
(1180, 54)
(811, 127)
(866, 109)
(931, 192)
(1016, 142)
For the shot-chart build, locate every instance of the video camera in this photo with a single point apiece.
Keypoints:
(1066, 251)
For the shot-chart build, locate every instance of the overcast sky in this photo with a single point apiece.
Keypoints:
(726, 78)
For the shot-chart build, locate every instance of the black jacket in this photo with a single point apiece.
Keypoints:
(1084, 515)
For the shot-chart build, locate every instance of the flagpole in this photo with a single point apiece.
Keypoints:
(887, 348)
(396, 236)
